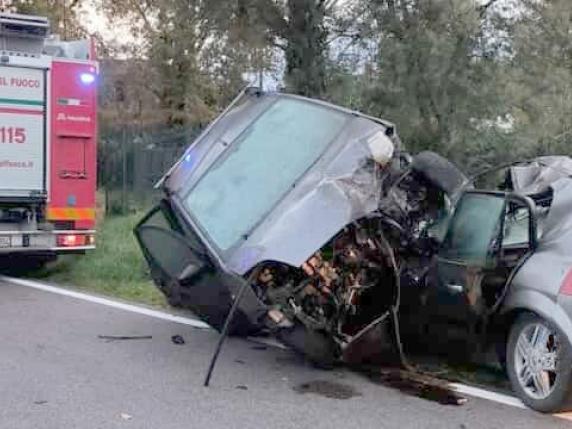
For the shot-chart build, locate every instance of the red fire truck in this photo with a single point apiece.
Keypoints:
(48, 135)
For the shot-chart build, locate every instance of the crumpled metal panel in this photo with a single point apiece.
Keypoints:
(539, 174)
(553, 251)
(343, 186)
(557, 227)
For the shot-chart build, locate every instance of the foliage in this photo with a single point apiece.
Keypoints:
(432, 67)
(481, 81)
(541, 81)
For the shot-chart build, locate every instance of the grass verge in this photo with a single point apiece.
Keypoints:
(116, 268)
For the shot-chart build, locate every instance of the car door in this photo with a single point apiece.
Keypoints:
(184, 270)
(173, 256)
(489, 233)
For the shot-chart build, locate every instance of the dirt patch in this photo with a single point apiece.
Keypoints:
(328, 389)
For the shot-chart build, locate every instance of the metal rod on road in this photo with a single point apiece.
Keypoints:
(228, 321)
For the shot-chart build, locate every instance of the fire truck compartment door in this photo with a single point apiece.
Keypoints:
(22, 132)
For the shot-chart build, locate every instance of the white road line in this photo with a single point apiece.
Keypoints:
(108, 302)
(460, 388)
(488, 395)
(270, 342)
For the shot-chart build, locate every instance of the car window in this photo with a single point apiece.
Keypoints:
(517, 227)
(473, 228)
(261, 166)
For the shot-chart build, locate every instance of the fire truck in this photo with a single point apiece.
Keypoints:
(48, 137)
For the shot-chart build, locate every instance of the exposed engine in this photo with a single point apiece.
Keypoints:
(340, 290)
(412, 203)
(351, 282)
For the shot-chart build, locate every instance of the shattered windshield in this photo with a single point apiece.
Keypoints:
(260, 167)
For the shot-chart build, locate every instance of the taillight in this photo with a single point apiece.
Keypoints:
(71, 240)
(566, 287)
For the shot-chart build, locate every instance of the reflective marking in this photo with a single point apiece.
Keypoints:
(270, 342)
(21, 111)
(71, 213)
(108, 302)
(488, 395)
(565, 416)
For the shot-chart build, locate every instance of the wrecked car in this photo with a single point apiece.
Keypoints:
(307, 221)
(503, 271)
(282, 192)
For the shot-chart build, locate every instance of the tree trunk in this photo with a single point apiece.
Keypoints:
(306, 48)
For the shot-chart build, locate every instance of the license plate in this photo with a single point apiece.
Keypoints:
(5, 242)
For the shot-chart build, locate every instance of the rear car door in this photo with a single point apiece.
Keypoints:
(487, 237)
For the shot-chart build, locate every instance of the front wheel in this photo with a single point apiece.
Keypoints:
(539, 364)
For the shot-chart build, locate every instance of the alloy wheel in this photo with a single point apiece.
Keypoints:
(536, 358)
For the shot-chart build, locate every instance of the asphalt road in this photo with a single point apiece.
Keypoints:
(56, 373)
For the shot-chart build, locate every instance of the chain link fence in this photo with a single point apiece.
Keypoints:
(132, 159)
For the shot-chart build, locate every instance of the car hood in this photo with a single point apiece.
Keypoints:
(341, 186)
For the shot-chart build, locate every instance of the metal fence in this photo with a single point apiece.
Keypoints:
(133, 158)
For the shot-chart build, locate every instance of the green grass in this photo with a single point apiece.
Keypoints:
(116, 268)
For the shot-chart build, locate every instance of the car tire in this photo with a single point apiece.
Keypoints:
(21, 266)
(559, 396)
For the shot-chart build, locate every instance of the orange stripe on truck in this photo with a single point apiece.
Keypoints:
(71, 213)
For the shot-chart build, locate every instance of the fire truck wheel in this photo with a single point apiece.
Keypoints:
(23, 264)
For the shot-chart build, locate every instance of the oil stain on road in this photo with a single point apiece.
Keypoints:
(328, 389)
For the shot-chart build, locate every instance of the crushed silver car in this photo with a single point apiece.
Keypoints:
(283, 192)
(307, 221)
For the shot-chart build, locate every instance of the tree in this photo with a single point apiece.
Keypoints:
(305, 48)
(299, 28)
(434, 75)
(197, 52)
(541, 83)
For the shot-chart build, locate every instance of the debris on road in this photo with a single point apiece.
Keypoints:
(241, 387)
(110, 338)
(125, 416)
(328, 389)
(177, 339)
